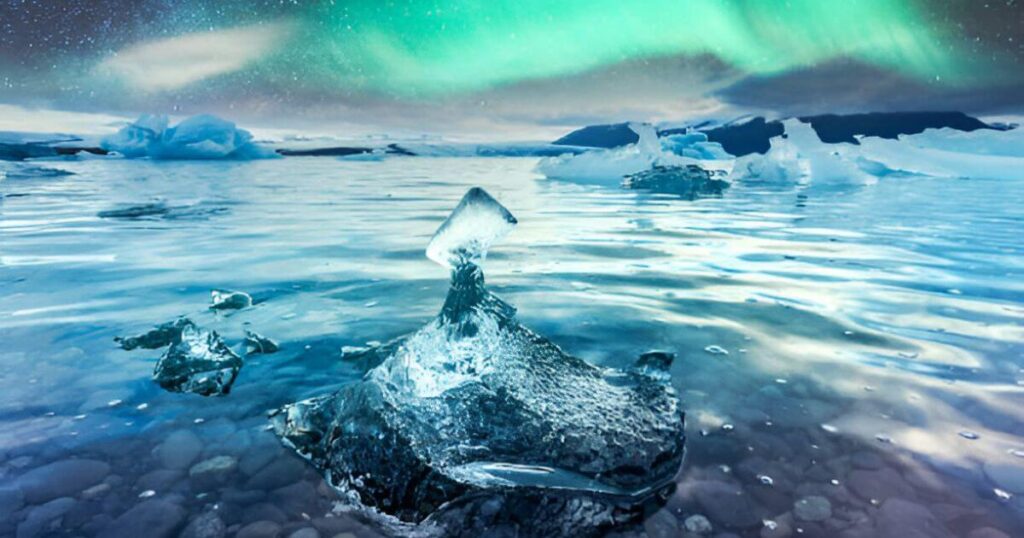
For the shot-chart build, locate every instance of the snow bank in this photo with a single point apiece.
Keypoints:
(198, 137)
(610, 166)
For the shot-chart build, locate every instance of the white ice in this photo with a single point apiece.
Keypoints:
(473, 226)
(609, 166)
(198, 137)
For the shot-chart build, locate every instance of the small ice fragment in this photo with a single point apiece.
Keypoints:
(882, 438)
(78, 417)
(968, 435)
(147, 494)
(829, 428)
(716, 350)
(370, 304)
(769, 524)
(256, 343)
(162, 335)
(142, 406)
(50, 414)
(781, 381)
(199, 421)
(473, 226)
(1016, 452)
(728, 427)
(834, 482)
(1002, 494)
(907, 354)
(848, 333)
(114, 403)
(198, 362)
(766, 480)
(954, 291)
(229, 300)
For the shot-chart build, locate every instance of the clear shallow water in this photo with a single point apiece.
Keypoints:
(870, 331)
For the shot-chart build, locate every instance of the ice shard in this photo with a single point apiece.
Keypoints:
(475, 224)
(256, 343)
(475, 420)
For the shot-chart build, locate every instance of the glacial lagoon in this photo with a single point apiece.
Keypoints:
(850, 357)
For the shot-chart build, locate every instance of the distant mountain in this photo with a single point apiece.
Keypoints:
(753, 135)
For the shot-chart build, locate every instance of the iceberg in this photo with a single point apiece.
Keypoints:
(198, 137)
(475, 420)
(196, 360)
(610, 166)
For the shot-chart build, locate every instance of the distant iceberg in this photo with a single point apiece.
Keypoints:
(610, 166)
(198, 137)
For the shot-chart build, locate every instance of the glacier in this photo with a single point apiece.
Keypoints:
(200, 137)
(474, 421)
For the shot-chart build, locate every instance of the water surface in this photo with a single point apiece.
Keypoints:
(858, 344)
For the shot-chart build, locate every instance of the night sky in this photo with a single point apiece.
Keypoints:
(474, 65)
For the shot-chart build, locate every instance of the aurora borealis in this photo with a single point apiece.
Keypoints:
(499, 58)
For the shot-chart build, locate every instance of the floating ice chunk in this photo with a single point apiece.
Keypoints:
(26, 171)
(689, 181)
(162, 335)
(475, 224)
(374, 155)
(196, 360)
(782, 163)
(199, 362)
(256, 343)
(475, 409)
(969, 435)
(198, 137)
(610, 166)
(229, 300)
(716, 350)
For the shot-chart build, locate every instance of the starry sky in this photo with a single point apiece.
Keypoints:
(479, 66)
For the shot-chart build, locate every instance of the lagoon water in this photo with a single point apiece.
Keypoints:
(851, 358)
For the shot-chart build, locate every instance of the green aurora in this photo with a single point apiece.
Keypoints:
(425, 47)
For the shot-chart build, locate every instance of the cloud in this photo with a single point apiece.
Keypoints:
(176, 62)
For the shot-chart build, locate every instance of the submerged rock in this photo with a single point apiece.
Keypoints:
(196, 360)
(690, 181)
(475, 420)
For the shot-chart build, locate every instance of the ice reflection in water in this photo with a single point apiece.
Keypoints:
(891, 311)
